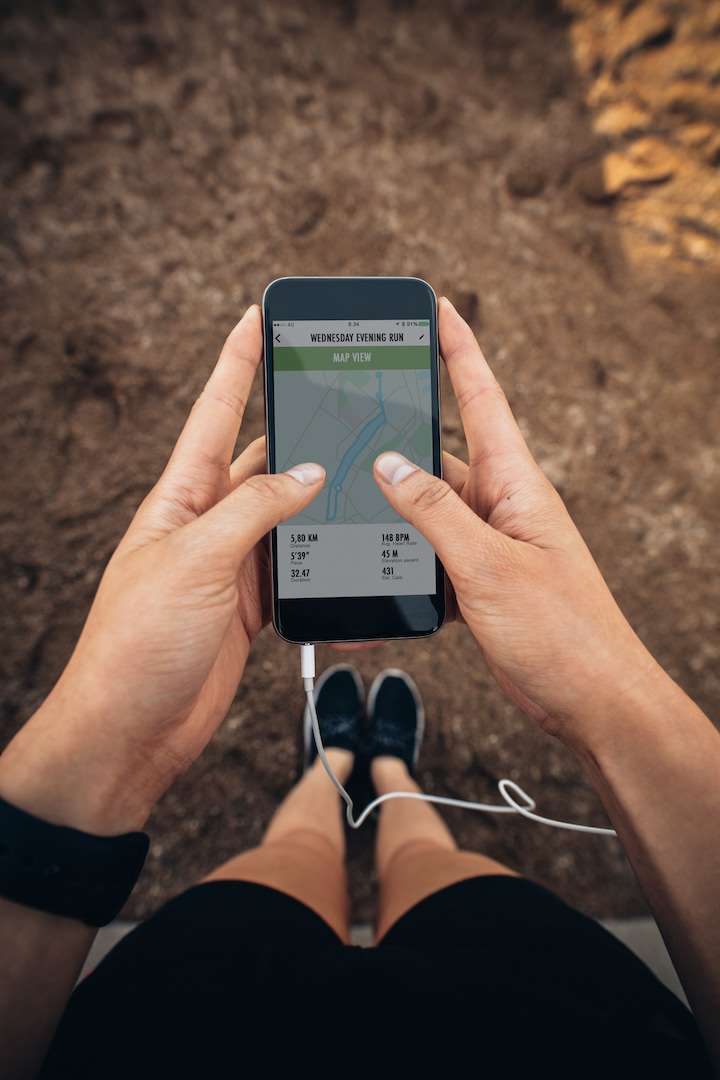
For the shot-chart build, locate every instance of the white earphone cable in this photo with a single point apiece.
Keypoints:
(510, 791)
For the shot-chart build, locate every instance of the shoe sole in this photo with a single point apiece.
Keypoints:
(397, 673)
(320, 682)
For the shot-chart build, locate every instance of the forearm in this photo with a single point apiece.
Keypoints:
(655, 762)
(42, 956)
(50, 774)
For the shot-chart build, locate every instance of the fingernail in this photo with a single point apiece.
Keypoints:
(448, 301)
(307, 474)
(394, 467)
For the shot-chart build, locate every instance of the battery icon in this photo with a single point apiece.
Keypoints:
(424, 323)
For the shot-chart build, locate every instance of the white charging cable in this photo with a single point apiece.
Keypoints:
(509, 790)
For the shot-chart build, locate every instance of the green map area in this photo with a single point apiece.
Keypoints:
(343, 413)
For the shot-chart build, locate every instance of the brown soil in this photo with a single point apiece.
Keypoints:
(553, 170)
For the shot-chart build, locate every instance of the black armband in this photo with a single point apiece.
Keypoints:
(65, 871)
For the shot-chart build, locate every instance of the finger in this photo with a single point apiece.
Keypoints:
(490, 428)
(210, 433)
(251, 462)
(452, 610)
(233, 526)
(455, 472)
(431, 505)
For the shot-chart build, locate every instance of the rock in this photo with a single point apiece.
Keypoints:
(696, 134)
(647, 25)
(589, 181)
(694, 60)
(303, 211)
(647, 161)
(525, 178)
(704, 19)
(655, 69)
(695, 98)
(622, 118)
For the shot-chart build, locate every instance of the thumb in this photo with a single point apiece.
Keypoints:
(456, 533)
(234, 525)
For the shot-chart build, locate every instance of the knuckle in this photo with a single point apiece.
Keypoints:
(237, 348)
(466, 350)
(469, 395)
(431, 493)
(232, 400)
(266, 488)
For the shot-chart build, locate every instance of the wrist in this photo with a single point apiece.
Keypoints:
(632, 701)
(54, 770)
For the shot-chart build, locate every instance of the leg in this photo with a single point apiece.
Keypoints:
(416, 854)
(303, 850)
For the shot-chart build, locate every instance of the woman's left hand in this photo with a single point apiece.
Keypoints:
(164, 646)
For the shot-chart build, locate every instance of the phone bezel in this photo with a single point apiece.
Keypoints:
(352, 618)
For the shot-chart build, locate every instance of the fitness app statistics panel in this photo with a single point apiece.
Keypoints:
(345, 392)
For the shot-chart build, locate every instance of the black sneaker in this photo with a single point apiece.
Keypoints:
(397, 717)
(340, 706)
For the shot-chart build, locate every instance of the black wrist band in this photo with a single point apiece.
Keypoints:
(65, 871)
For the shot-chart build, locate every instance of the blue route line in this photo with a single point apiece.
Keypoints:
(365, 436)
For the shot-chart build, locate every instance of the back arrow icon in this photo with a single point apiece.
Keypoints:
(277, 337)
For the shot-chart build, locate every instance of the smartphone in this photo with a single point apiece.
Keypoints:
(351, 370)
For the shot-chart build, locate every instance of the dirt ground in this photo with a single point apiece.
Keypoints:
(553, 168)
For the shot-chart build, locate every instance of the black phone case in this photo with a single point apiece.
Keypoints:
(364, 618)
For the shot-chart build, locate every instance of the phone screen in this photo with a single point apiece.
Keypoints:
(344, 392)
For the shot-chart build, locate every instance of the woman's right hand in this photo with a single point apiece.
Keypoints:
(524, 580)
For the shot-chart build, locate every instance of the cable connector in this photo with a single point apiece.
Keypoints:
(307, 665)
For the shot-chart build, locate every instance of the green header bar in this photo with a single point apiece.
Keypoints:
(351, 357)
